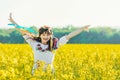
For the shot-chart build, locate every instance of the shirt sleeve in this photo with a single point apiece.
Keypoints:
(63, 40)
(28, 39)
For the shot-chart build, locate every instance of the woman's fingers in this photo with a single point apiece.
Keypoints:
(86, 28)
(10, 15)
(10, 18)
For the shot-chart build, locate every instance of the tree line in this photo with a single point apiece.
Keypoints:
(98, 35)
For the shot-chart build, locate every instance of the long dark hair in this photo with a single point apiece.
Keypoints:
(47, 30)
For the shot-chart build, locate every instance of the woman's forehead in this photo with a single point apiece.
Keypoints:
(46, 33)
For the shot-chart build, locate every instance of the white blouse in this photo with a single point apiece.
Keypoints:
(46, 56)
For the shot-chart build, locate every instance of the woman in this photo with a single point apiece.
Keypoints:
(44, 44)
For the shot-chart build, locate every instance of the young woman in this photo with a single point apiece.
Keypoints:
(44, 44)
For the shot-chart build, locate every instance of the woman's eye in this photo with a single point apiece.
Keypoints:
(43, 34)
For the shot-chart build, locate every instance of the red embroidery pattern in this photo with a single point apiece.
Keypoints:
(40, 48)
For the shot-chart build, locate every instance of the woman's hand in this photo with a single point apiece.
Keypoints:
(86, 28)
(11, 19)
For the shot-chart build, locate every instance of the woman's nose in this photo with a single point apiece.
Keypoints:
(46, 36)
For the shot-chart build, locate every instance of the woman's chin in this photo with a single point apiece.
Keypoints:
(45, 42)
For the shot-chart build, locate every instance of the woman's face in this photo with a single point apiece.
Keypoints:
(45, 37)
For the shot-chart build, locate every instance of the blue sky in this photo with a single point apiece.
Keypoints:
(61, 12)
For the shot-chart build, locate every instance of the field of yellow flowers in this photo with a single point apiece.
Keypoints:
(72, 62)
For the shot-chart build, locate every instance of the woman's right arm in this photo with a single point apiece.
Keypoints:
(23, 32)
(26, 35)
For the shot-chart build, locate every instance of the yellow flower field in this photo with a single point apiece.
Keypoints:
(72, 62)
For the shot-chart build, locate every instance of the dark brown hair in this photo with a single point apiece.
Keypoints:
(47, 30)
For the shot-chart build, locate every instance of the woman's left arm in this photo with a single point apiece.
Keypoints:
(74, 33)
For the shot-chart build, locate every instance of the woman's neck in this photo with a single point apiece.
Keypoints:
(44, 43)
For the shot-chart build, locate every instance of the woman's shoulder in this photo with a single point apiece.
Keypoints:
(55, 39)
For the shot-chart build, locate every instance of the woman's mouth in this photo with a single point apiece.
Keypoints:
(45, 39)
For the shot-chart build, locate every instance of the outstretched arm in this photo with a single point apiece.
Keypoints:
(74, 33)
(11, 19)
(23, 32)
